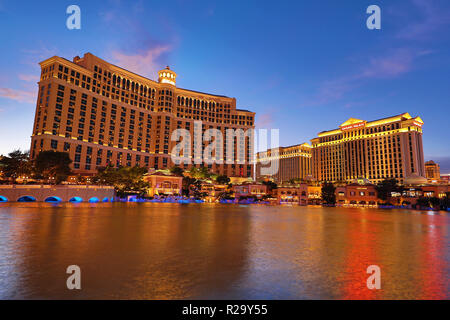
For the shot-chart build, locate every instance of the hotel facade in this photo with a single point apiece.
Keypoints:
(385, 148)
(374, 150)
(102, 115)
(432, 171)
(285, 163)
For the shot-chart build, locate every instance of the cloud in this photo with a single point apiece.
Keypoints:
(29, 77)
(432, 18)
(390, 65)
(107, 16)
(140, 48)
(28, 96)
(399, 62)
(145, 63)
(265, 119)
(34, 56)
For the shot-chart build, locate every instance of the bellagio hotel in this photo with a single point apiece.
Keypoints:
(385, 148)
(102, 114)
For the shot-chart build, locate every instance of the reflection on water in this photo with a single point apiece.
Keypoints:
(172, 251)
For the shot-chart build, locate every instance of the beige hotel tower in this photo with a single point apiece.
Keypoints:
(385, 148)
(103, 114)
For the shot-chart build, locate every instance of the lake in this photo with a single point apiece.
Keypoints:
(213, 251)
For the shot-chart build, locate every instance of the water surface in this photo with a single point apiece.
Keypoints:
(207, 251)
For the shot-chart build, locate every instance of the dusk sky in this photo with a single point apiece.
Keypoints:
(302, 66)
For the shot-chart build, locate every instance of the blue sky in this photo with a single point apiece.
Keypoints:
(302, 66)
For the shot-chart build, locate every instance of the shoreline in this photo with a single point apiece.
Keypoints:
(221, 203)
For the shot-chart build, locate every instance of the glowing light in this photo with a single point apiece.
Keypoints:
(26, 199)
(53, 199)
(76, 199)
(167, 81)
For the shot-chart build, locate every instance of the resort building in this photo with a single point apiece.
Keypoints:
(285, 163)
(247, 190)
(212, 191)
(432, 171)
(291, 194)
(357, 194)
(163, 183)
(314, 194)
(385, 148)
(103, 114)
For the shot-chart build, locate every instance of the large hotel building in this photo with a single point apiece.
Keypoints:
(102, 114)
(385, 148)
(293, 162)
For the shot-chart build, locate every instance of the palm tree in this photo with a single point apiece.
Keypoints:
(176, 170)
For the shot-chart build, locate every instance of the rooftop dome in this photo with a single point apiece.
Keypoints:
(415, 179)
(167, 76)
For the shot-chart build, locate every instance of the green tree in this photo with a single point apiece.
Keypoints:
(295, 181)
(435, 202)
(226, 195)
(445, 201)
(190, 183)
(176, 170)
(53, 164)
(423, 202)
(328, 193)
(16, 164)
(126, 180)
(223, 179)
(199, 173)
(386, 187)
(270, 184)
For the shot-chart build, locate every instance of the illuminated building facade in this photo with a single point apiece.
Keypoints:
(291, 194)
(294, 162)
(250, 189)
(375, 150)
(432, 171)
(102, 114)
(163, 183)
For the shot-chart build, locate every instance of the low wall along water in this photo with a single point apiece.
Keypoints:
(58, 193)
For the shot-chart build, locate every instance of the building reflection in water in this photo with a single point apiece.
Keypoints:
(169, 251)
